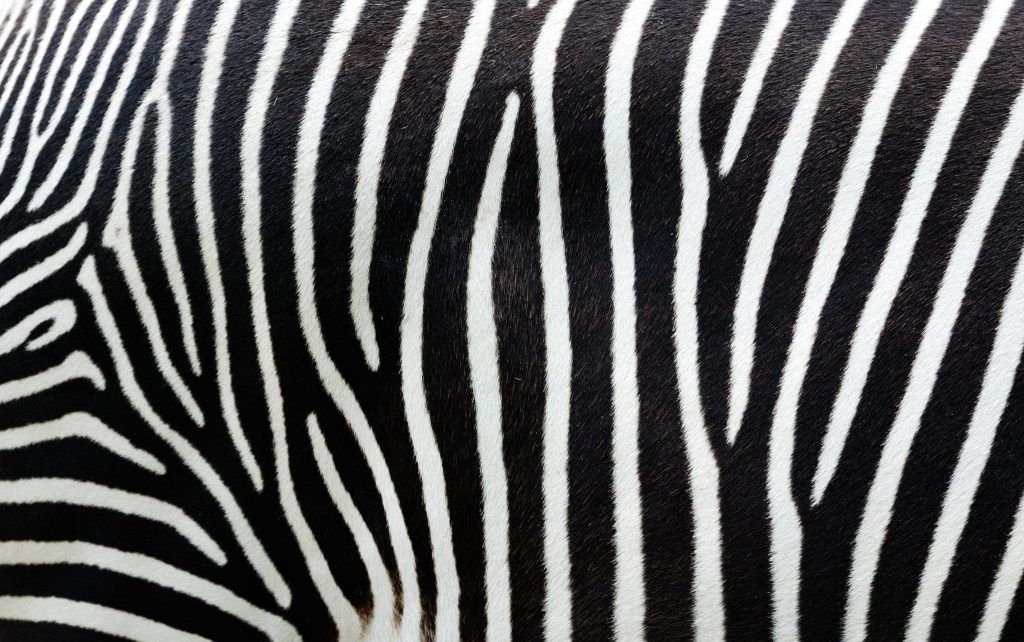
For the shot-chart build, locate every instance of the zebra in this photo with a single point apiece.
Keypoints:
(617, 319)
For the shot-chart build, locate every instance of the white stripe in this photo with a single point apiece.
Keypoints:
(205, 222)
(628, 615)
(786, 528)
(1004, 586)
(557, 341)
(59, 317)
(772, 210)
(934, 342)
(424, 442)
(752, 82)
(708, 603)
(192, 458)
(43, 269)
(151, 570)
(974, 454)
(382, 625)
(83, 426)
(53, 490)
(76, 365)
(93, 617)
(482, 350)
(371, 158)
(901, 245)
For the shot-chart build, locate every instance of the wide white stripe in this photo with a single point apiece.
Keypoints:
(557, 340)
(708, 604)
(484, 373)
(371, 159)
(382, 624)
(82, 426)
(421, 432)
(752, 82)
(149, 569)
(1004, 586)
(93, 617)
(77, 365)
(205, 221)
(629, 554)
(934, 342)
(43, 269)
(974, 454)
(58, 317)
(310, 131)
(901, 245)
(251, 547)
(772, 210)
(786, 528)
(54, 490)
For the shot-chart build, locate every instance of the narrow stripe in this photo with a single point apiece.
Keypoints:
(1004, 586)
(44, 269)
(778, 19)
(93, 617)
(901, 244)
(202, 158)
(79, 425)
(424, 442)
(371, 159)
(628, 616)
(772, 210)
(934, 342)
(482, 349)
(77, 365)
(251, 547)
(557, 340)
(52, 490)
(56, 318)
(786, 527)
(974, 454)
(702, 469)
(148, 569)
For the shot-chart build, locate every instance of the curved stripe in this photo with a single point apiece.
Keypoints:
(186, 452)
(786, 526)
(59, 317)
(382, 624)
(371, 158)
(421, 432)
(557, 339)
(772, 210)
(148, 569)
(77, 365)
(202, 187)
(93, 617)
(708, 603)
(629, 605)
(54, 490)
(934, 343)
(43, 269)
(974, 452)
(752, 82)
(901, 244)
(84, 426)
(484, 374)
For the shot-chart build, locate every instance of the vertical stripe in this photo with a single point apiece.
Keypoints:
(371, 159)
(557, 341)
(708, 600)
(482, 347)
(934, 342)
(629, 555)
(901, 245)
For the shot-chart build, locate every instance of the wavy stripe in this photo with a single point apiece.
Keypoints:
(44, 269)
(77, 365)
(557, 340)
(934, 343)
(54, 490)
(79, 425)
(148, 569)
(59, 317)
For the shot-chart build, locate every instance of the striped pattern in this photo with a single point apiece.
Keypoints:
(424, 320)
